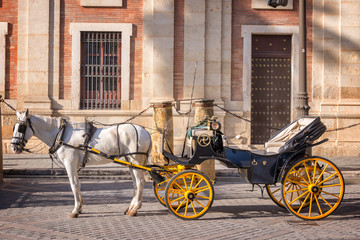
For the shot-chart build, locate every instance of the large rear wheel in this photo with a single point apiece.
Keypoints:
(313, 188)
(274, 193)
(195, 194)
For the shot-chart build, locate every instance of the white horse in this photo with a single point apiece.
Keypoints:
(115, 140)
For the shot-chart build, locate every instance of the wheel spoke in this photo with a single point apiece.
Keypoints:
(180, 205)
(179, 186)
(193, 207)
(311, 197)
(315, 164)
(303, 203)
(298, 197)
(297, 183)
(321, 173)
(330, 194)
(202, 189)
(325, 201)
(186, 207)
(275, 191)
(176, 191)
(327, 179)
(198, 183)
(298, 190)
(177, 199)
(186, 187)
(333, 185)
(192, 181)
(307, 174)
(199, 203)
(292, 194)
(203, 197)
(317, 202)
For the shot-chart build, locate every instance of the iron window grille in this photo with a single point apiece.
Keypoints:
(100, 70)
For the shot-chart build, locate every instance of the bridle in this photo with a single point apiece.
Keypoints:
(22, 126)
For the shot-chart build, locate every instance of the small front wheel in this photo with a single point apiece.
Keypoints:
(193, 190)
(319, 188)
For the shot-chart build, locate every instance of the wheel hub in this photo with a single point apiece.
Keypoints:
(313, 188)
(190, 195)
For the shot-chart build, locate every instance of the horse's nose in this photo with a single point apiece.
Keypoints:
(15, 149)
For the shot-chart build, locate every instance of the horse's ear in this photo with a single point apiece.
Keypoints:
(27, 113)
(18, 114)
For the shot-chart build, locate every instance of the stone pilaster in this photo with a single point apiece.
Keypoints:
(158, 49)
(163, 123)
(194, 48)
(226, 24)
(33, 55)
(213, 49)
(205, 108)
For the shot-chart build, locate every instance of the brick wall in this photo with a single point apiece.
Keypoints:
(243, 14)
(9, 14)
(131, 12)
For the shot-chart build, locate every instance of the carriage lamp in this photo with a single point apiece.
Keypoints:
(215, 126)
(275, 3)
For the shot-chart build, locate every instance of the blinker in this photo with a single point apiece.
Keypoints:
(22, 128)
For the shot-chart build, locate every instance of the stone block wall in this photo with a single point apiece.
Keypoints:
(336, 75)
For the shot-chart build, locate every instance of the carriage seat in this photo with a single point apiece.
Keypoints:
(310, 128)
(195, 132)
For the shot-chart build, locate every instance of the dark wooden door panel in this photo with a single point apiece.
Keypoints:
(270, 85)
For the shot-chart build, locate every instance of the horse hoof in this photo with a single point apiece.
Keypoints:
(74, 215)
(132, 213)
(126, 211)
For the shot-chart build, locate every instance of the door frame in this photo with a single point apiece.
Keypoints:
(246, 32)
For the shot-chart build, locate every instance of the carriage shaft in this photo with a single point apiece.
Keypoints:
(116, 160)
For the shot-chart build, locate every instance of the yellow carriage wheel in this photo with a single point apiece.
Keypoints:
(195, 191)
(319, 188)
(159, 188)
(274, 193)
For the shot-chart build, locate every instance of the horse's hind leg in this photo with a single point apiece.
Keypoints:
(75, 187)
(138, 182)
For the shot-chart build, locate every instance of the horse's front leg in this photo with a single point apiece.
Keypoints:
(71, 168)
(138, 182)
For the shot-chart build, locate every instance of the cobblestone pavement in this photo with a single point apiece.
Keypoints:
(34, 208)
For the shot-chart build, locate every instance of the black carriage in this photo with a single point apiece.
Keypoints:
(310, 187)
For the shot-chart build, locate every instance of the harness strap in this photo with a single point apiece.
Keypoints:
(89, 132)
(59, 137)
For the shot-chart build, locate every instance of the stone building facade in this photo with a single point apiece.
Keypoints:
(54, 60)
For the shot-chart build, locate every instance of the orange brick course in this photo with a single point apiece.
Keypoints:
(9, 14)
(131, 12)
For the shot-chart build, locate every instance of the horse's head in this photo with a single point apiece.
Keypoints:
(22, 131)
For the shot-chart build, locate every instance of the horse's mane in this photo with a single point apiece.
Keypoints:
(55, 121)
